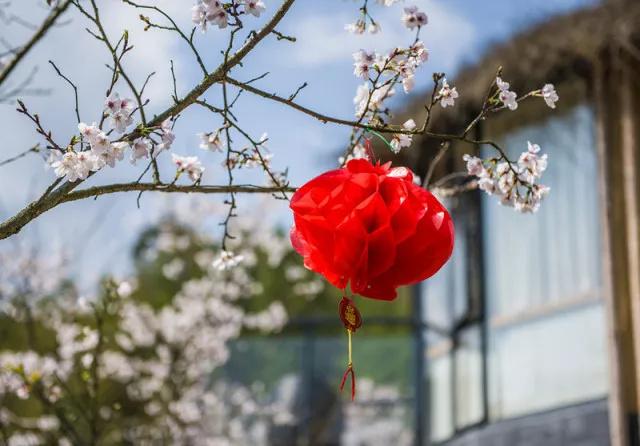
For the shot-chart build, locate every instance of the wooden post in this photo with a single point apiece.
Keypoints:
(619, 184)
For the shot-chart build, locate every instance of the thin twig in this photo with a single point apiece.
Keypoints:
(75, 89)
(37, 36)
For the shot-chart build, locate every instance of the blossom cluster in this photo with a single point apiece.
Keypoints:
(509, 99)
(447, 95)
(411, 18)
(189, 164)
(514, 183)
(211, 141)
(119, 111)
(96, 150)
(78, 165)
(398, 64)
(215, 12)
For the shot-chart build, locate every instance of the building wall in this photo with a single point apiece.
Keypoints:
(580, 425)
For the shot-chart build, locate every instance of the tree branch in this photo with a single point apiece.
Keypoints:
(37, 36)
(174, 188)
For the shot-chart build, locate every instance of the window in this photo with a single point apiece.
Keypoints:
(543, 281)
(454, 338)
(530, 335)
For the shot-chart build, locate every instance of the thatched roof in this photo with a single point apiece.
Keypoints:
(554, 51)
(559, 50)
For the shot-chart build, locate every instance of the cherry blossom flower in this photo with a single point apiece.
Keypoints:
(401, 140)
(119, 110)
(358, 27)
(166, 134)
(211, 141)
(90, 132)
(141, 149)
(408, 83)
(410, 124)
(412, 17)
(114, 104)
(475, 165)
(254, 7)
(218, 17)
(199, 16)
(189, 164)
(67, 166)
(120, 121)
(363, 61)
(447, 94)
(100, 143)
(212, 11)
(367, 100)
(550, 95)
(227, 260)
(374, 28)
(515, 184)
(114, 153)
(531, 164)
(418, 52)
(508, 98)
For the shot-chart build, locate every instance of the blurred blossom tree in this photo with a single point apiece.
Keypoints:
(136, 364)
(139, 363)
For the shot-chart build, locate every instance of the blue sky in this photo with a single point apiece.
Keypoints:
(98, 234)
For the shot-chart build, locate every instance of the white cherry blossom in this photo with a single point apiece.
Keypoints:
(357, 27)
(508, 97)
(189, 164)
(447, 94)
(413, 17)
(254, 7)
(211, 141)
(514, 184)
(141, 149)
(550, 95)
(227, 260)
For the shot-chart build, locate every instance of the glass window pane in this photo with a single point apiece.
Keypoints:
(543, 278)
(445, 294)
(558, 360)
(440, 387)
(468, 376)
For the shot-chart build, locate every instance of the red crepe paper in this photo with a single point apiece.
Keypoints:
(371, 227)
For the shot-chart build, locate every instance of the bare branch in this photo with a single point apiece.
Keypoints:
(57, 11)
(34, 149)
(174, 188)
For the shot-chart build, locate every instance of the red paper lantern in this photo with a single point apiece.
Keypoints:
(371, 227)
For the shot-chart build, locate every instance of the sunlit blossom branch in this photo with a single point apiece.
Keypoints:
(513, 181)
(55, 194)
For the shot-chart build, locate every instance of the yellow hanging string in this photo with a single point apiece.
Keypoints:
(349, 333)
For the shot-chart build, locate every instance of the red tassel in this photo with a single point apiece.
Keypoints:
(348, 372)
